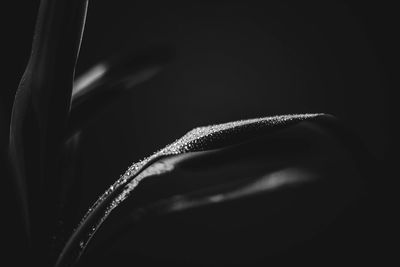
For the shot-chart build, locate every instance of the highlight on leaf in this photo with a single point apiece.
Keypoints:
(200, 139)
(120, 72)
(297, 178)
(105, 82)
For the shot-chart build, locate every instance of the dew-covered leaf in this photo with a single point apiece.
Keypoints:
(241, 204)
(202, 140)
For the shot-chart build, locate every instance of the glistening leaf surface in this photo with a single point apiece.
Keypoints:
(238, 204)
(200, 139)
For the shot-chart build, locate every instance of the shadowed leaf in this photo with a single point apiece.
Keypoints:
(40, 113)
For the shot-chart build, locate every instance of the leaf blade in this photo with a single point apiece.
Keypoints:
(109, 80)
(199, 139)
(40, 111)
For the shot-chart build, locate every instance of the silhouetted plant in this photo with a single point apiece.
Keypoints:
(283, 177)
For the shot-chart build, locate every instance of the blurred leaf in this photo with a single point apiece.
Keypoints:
(107, 81)
(198, 140)
(127, 69)
(40, 113)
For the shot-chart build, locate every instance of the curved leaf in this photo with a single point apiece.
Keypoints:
(241, 204)
(198, 140)
(40, 112)
(126, 69)
(108, 80)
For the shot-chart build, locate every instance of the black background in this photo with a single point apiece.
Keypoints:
(233, 60)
